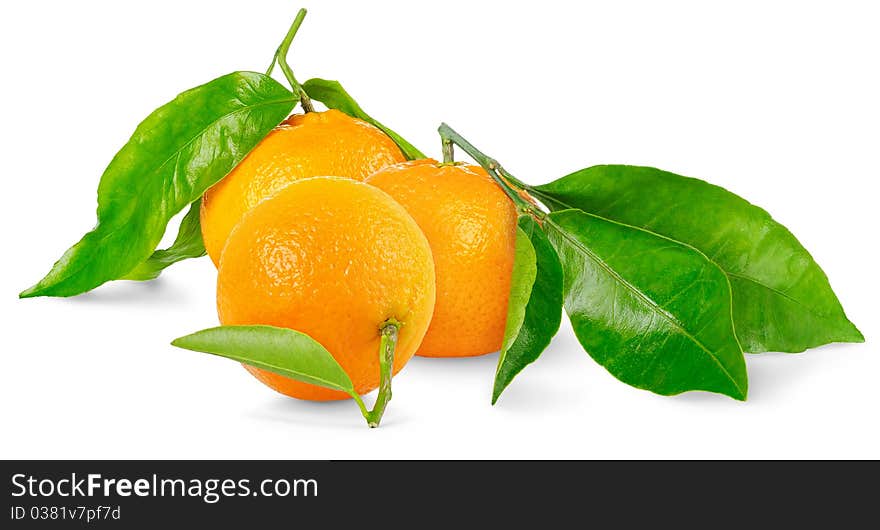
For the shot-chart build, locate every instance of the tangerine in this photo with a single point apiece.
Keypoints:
(333, 258)
(313, 144)
(471, 226)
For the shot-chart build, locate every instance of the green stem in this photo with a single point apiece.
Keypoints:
(511, 185)
(360, 403)
(281, 58)
(389, 333)
(514, 180)
(547, 199)
(448, 152)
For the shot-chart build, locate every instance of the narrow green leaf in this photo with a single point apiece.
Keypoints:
(535, 306)
(187, 244)
(525, 268)
(331, 94)
(782, 300)
(174, 155)
(280, 350)
(654, 312)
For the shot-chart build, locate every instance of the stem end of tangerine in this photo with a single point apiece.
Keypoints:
(388, 333)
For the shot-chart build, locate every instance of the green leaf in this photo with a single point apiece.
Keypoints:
(782, 300)
(187, 244)
(654, 312)
(535, 306)
(525, 269)
(280, 350)
(174, 155)
(331, 94)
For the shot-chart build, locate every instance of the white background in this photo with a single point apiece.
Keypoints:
(777, 101)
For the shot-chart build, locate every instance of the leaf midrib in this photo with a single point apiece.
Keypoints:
(182, 343)
(503, 355)
(724, 270)
(189, 142)
(279, 370)
(143, 181)
(645, 298)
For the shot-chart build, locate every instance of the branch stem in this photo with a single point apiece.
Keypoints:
(281, 59)
(388, 343)
(512, 186)
(448, 151)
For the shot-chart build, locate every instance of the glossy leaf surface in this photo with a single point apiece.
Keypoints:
(188, 244)
(535, 305)
(331, 94)
(174, 155)
(782, 299)
(654, 312)
(280, 350)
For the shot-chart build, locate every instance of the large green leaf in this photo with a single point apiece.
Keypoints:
(782, 300)
(280, 350)
(174, 155)
(188, 244)
(535, 305)
(331, 94)
(654, 312)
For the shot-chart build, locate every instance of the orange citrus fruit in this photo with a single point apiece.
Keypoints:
(471, 226)
(333, 258)
(304, 145)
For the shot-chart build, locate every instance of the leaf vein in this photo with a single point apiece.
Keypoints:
(646, 299)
